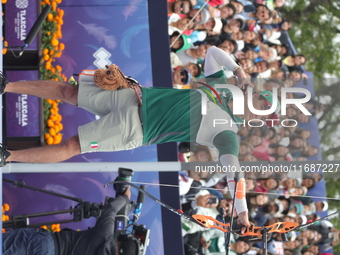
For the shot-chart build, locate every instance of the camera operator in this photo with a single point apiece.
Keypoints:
(97, 240)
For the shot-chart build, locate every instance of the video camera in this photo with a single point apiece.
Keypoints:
(84, 210)
(139, 233)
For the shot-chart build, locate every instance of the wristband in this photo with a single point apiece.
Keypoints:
(235, 69)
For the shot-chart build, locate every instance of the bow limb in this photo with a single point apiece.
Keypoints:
(210, 222)
(302, 226)
(178, 212)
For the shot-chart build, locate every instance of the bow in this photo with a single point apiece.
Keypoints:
(210, 222)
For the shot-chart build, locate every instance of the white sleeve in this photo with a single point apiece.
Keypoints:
(231, 162)
(215, 59)
(326, 224)
(214, 179)
(212, 233)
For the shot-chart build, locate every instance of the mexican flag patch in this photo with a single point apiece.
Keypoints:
(94, 145)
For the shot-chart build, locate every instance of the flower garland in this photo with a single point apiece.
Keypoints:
(5, 208)
(4, 43)
(52, 49)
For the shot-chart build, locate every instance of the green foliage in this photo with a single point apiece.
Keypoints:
(329, 122)
(314, 27)
(332, 186)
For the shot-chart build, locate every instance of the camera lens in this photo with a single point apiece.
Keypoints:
(125, 175)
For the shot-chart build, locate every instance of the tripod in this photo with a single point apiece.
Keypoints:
(83, 210)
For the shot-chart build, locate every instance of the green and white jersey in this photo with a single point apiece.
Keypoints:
(217, 238)
(171, 115)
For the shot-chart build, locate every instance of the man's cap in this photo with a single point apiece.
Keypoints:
(273, 58)
(312, 208)
(299, 208)
(242, 23)
(200, 70)
(298, 182)
(279, 206)
(292, 236)
(218, 25)
(291, 205)
(188, 75)
(187, 42)
(205, 14)
(303, 218)
(268, 96)
(292, 215)
(240, 45)
(325, 206)
(305, 190)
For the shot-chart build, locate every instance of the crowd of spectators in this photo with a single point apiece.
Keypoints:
(249, 31)
(271, 198)
(252, 32)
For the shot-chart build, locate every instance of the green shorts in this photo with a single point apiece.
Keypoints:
(119, 126)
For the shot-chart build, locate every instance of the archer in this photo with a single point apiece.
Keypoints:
(165, 115)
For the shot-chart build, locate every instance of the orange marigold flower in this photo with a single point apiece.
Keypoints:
(6, 207)
(53, 112)
(50, 17)
(56, 129)
(49, 140)
(61, 127)
(50, 123)
(53, 117)
(55, 226)
(46, 57)
(57, 138)
(60, 13)
(54, 6)
(54, 104)
(59, 34)
(48, 65)
(52, 131)
(61, 46)
(54, 42)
